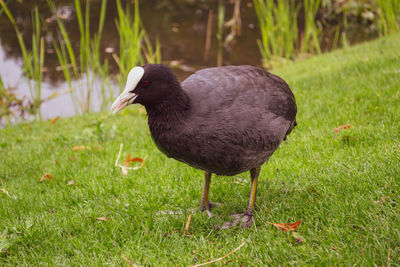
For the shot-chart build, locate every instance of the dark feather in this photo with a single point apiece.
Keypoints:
(224, 120)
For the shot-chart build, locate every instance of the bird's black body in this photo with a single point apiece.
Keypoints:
(223, 120)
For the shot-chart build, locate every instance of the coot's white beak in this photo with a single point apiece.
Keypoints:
(128, 96)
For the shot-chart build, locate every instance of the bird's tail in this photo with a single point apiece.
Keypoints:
(294, 124)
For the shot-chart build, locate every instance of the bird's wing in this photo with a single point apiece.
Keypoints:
(252, 88)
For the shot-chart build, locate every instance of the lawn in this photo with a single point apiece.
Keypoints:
(344, 186)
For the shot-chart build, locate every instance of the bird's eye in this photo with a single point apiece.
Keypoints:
(146, 83)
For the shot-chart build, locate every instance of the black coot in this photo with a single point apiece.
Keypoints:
(223, 120)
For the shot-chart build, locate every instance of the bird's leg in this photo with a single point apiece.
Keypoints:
(206, 190)
(247, 218)
(205, 204)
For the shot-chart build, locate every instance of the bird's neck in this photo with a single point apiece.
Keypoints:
(169, 112)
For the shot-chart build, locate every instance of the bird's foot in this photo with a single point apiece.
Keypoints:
(245, 219)
(209, 206)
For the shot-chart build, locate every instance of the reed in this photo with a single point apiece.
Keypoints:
(65, 54)
(33, 59)
(101, 69)
(279, 29)
(37, 63)
(91, 74)
(220, 31)
(389, 16)
(152, 55)
(310, 42)
(135, 47)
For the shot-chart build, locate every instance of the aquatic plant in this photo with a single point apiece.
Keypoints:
(280, 32)
(278, 25)
(13, 107)
(389, 16)
(135, 47)
(310, 42)
(220, 31)
(33, 59)
(91, 69)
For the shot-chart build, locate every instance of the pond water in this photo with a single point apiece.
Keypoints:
(180, 25)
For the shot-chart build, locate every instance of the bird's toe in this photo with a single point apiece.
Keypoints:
(246, 220)
(209, 206)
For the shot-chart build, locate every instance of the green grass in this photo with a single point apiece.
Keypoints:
(344, 186)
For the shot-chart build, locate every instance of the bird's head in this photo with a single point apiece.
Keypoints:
(146, 85)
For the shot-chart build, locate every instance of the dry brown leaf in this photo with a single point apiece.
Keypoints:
(187, 224)
(77, 148)
(46, 176)
(128, 160)
(342, 127)
(71, 182)
(125, 166)
(54, 120)
(102, 218)
(287, 226)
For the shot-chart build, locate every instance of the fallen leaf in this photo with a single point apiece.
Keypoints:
(71, 182)
(54, 120)
(342, 127)
(128, 160)
(46, 176)
(125, 166)
(77, 148)
(102, 219)
(187, 224)
(287, 226)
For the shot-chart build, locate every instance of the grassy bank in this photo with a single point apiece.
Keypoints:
(344, 186)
